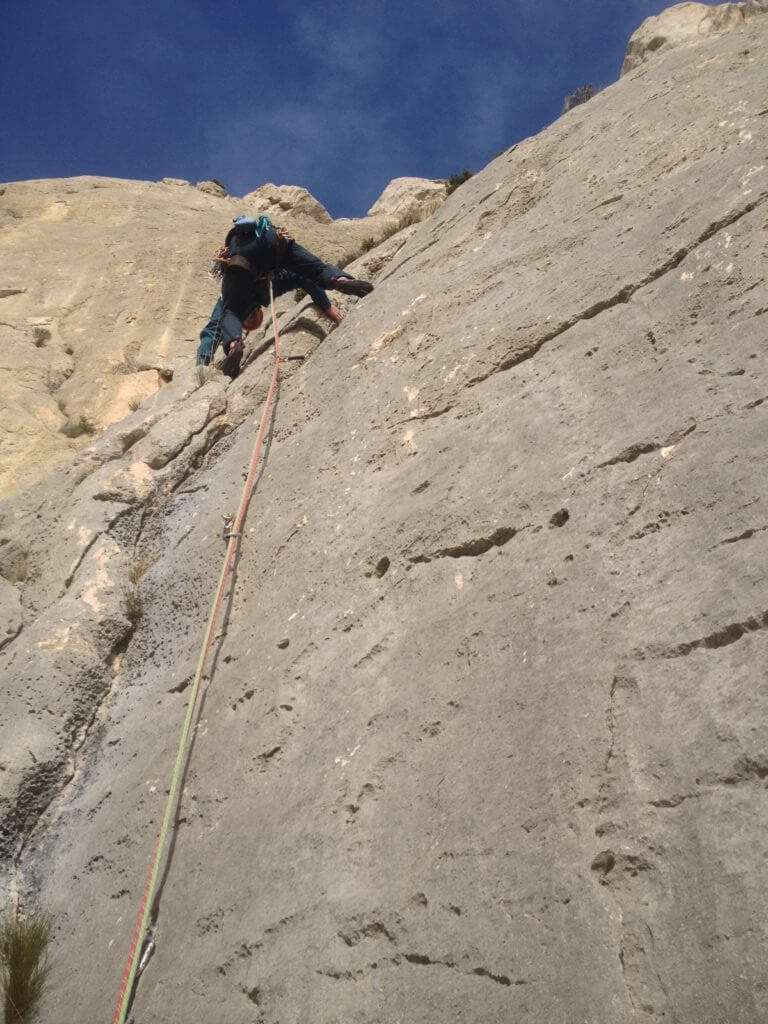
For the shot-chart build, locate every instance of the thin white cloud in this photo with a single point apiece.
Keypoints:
(386, 89)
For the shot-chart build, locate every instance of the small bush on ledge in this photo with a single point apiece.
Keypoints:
(458, 179)
(581, 95)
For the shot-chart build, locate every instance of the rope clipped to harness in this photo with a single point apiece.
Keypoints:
(144, 936)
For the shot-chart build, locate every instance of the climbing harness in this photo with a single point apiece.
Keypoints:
(255, 229)
(144, 936)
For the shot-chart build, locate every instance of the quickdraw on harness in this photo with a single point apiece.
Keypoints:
(145, 933)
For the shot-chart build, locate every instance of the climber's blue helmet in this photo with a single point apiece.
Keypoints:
(250, 227)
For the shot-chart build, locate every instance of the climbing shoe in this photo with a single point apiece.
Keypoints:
(234, 356)
(351, 286)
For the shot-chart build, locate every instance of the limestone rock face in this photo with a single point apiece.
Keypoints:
(484, 730)
(685, 24)
(404, 196)
(278, 200)
(103, 293)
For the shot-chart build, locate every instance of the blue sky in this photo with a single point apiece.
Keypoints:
(339, 97)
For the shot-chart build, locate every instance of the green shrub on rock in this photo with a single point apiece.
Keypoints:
(458, 179)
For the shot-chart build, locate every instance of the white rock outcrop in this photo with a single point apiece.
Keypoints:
(405, 195)
(684, 24)
(277, 200)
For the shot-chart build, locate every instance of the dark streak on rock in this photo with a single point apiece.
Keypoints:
(723, 637)
(373, 930)
(745, 770)
(636, 450)
(424, 416)
(607, 202)
(382, 566)
(10, 637)
(742, 536)
(500, 979)
(470, 548)
(671, 801)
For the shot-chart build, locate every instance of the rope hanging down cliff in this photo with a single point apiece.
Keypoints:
(143, 942)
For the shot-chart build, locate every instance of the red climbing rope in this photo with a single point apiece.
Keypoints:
(134, 965)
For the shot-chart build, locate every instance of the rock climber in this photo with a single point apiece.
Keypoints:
(253, 249)
(284, 281)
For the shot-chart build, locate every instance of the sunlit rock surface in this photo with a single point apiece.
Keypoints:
(103, 292)
(686, 24)
(485, 733)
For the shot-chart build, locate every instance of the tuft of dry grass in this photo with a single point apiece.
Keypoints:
(134, 602)
(140, 566)
(25, 967)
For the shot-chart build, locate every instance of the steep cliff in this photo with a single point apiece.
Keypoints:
(485, 734)
(104, 290)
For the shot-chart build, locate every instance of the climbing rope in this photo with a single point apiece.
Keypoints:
(143, 942)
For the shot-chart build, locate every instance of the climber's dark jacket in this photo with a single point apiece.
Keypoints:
(267, 252)
(284, 281)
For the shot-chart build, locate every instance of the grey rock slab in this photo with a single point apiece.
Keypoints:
(55, 675)
(483, 736)
(172, 434)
